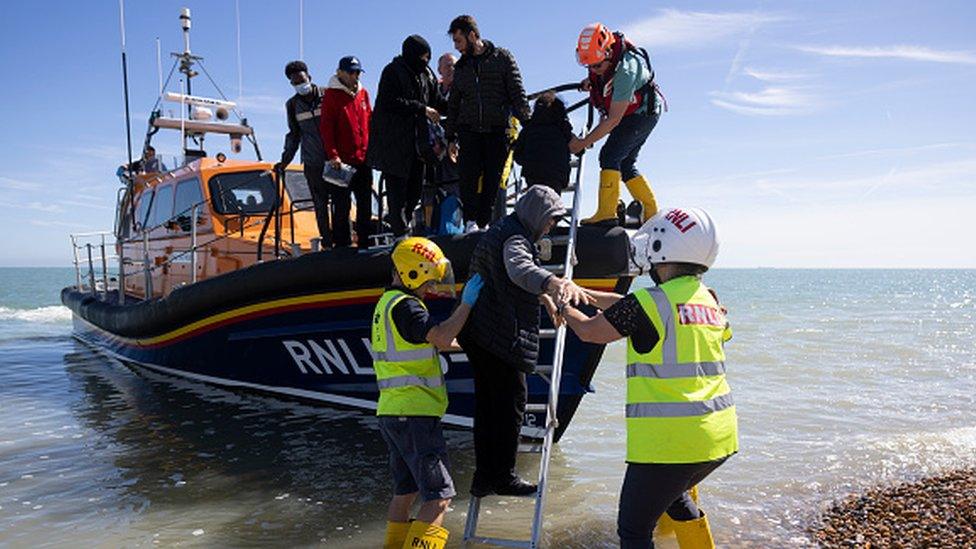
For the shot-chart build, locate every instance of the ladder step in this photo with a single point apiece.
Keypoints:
(560, 239)
(530, 447)
(543, 369)
(536, 408)
(546, 333)
(499, 541)
(556, 269)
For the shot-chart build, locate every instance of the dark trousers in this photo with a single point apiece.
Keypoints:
(482, 156)
(499, 407)
(403, 195)
(625, 142)
(361, 186)
(320, 191)
(652, 489)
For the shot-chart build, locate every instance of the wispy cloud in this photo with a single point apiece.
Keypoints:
(262, 104)
(691, 29)
(904, 52)
(18, 184)
(775, 75)
(770, 101)
(66, 224)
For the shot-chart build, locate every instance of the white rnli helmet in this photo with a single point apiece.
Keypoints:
(675, 235)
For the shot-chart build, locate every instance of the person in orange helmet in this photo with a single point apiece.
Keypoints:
(621, 86)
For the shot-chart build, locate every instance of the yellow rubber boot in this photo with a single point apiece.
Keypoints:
(423, 535)
(606, 205)
(694, 534)
(641, 191)
(396, 533)
(665, 524)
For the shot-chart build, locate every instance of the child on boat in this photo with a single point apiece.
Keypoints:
(413, 395)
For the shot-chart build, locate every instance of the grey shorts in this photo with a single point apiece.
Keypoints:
(418, 456)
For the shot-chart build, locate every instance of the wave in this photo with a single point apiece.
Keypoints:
(49, 314)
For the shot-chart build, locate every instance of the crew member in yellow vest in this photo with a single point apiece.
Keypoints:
(681, 421)
(413, 395)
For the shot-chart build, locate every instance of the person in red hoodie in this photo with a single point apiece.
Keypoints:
(345, 135)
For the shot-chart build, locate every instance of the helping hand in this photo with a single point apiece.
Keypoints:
(433, 115)
(557, 319)
(576, 145)
(335, 163)
(469, 295)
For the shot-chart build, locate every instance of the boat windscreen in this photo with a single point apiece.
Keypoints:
(242, 192)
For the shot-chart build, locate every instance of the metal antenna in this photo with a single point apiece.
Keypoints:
(159, 66)
(125, 83)
(240, 80)
(301, 30)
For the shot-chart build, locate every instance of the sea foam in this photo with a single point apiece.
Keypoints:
(49, 314)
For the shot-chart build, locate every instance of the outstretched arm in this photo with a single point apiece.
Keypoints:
(590, 329)
(442, 336)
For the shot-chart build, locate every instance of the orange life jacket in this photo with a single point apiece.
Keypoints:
(601, 87)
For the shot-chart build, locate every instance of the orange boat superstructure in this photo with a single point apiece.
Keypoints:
(208, 217)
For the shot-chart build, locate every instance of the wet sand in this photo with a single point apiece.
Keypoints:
(939, 511)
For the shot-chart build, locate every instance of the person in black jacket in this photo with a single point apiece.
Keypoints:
(501, 338)
(487, 91)
(407, 93)
(542, 148)
(304, 115)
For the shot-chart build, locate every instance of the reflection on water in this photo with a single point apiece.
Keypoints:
(842, 379)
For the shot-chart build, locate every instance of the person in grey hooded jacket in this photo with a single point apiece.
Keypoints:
(501, 338)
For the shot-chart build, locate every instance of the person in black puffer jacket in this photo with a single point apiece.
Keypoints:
(501, 338)
(407, 93)
(487, 91)
(542, 148)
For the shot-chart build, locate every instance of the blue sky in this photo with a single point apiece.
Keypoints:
(819, 134)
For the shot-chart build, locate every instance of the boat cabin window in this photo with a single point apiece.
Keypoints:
(298, 192)
(242, 192)
(188, 195)
(162, 207)
(142, 210)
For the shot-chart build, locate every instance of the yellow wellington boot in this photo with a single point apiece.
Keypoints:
(396, 533)
(423, 535)
(665, 524)
(694, 534)
(606, 205)
(642, 192)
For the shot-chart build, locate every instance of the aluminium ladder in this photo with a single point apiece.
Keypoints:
(551, 374)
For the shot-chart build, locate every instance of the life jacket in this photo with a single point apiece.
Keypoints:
(601, 87)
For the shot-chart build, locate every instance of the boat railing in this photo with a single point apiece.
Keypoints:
(91, 262)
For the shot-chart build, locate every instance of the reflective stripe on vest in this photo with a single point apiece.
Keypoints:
(670, 371)
(679, 409)
(410, 381)
(392, 354)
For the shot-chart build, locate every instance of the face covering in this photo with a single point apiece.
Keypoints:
(303, 89)
(414, 48)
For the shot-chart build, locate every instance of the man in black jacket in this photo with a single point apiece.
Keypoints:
(304, 115)
(501, 338)
(486, 92)
(407, 94)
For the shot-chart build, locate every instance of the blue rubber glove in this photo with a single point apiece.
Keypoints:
(471, 290)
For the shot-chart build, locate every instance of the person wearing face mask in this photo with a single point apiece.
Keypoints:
(304, 111)
(501, 339)
(486, 92)
(406, 99)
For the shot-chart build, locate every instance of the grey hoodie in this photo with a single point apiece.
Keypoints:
(534, 209)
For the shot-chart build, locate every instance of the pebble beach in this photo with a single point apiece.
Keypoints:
(938, 511)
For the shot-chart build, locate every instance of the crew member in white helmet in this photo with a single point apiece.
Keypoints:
(681, 421)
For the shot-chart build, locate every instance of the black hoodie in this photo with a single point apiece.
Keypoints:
(542, 148)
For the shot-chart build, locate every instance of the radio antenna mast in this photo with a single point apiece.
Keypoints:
(240, 78)
(125, 84)
(159, 66)
(301, 30)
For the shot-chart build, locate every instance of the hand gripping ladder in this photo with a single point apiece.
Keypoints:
(555, 376)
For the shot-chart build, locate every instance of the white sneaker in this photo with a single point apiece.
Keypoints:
(470, 227)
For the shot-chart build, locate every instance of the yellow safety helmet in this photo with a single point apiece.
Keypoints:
(418, 260)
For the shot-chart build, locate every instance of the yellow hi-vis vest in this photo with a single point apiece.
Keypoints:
(679, 406)
(408, 375)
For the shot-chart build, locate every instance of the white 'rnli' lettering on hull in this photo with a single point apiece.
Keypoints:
(329, 357)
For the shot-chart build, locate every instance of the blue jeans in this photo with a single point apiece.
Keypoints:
(625, 141)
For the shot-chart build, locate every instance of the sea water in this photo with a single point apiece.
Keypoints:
(842, 379)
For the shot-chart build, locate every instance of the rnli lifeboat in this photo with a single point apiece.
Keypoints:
(216, 275)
